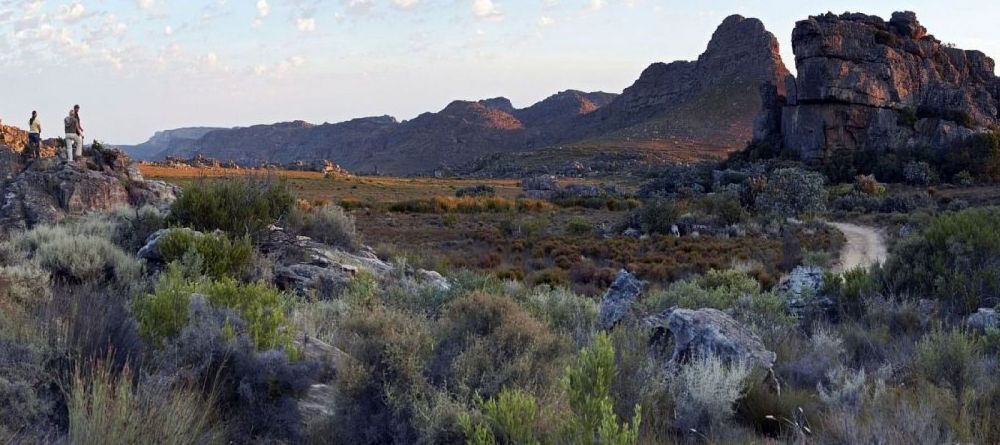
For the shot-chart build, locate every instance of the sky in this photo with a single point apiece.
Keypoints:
(138, 66)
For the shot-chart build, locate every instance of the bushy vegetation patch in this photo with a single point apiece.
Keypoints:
(239, 206)
(217, 254)
(954, 260)
(163, 313)
(327, 223)
(76, 257)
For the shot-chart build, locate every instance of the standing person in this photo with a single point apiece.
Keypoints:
(79, 130)
(34, 136)
(73, 135)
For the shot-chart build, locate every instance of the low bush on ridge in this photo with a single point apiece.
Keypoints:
(239, 206)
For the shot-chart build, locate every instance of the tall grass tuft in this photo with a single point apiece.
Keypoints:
(107, 409)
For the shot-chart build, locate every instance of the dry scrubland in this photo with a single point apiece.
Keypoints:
(220, 328)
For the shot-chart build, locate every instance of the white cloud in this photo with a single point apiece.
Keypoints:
(263, 10)
(305, 24)
(545, 21)
(486, 9)
(359, 6)
(405, 4)
(70, 13)
(595, 5)
(146, 5)
(169, 30)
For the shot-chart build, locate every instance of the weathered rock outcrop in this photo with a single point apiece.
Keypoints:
(711, 331)
(618, 299)
(868, 84)
(49, 190)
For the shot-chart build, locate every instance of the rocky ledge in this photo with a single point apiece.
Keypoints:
(869, 84)
(49, 189)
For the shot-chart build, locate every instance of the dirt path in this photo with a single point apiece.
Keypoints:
(865, 246)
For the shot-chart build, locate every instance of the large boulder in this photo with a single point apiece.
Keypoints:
(869, 84)
(710, 331)
(618, 299)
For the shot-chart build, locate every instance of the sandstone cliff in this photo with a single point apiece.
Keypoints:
(867, 84)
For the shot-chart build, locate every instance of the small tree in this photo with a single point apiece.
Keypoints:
(791, 191)
(588, 383)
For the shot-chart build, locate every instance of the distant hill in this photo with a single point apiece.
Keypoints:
(706, 106)
(164, 141)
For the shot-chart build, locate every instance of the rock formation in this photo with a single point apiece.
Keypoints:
(697, 333)
(868, 84)
(50, 190)
(618, 299)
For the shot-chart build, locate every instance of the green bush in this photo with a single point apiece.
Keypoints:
(791, 192)
(588, 386)
(579, 226)
(956, 260)
(239, 206)
(512, 413)
(328, 224)
(716, 289)
(164, 313)
(949, 359)
(656, 216)
(220, 255)
(383, 378)
(490, 342)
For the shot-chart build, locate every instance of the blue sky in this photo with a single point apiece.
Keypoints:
(137, 66)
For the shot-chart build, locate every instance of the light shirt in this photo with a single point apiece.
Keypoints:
(36, 126)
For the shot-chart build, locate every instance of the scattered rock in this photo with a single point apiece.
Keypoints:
(618, 299)
(803, 282)
(983, 320)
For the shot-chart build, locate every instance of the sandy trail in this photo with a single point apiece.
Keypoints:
(865, 246)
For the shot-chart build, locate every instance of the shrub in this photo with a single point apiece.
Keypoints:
(163, 313)
(328, 224)
(716, 289)
(964, 178)
(24, 291)
(77, 258)
(105, 408)
(255, 392)
(476, 191)
(792, 191)
(388, 351)
(918, 173)
(868, 185)
(949, 359)
(579, 226)
(657, 216)
(468, 204)
(565, 312)
(954, 260)
(588, 386)
(220, 255)
(885, 38)
(239, 206)
(490, 342)
(705, 392)
(512, 413)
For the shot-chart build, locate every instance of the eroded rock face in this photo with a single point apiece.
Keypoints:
(711, 331)
(50, 190)
(868, 84)
(618, 299)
